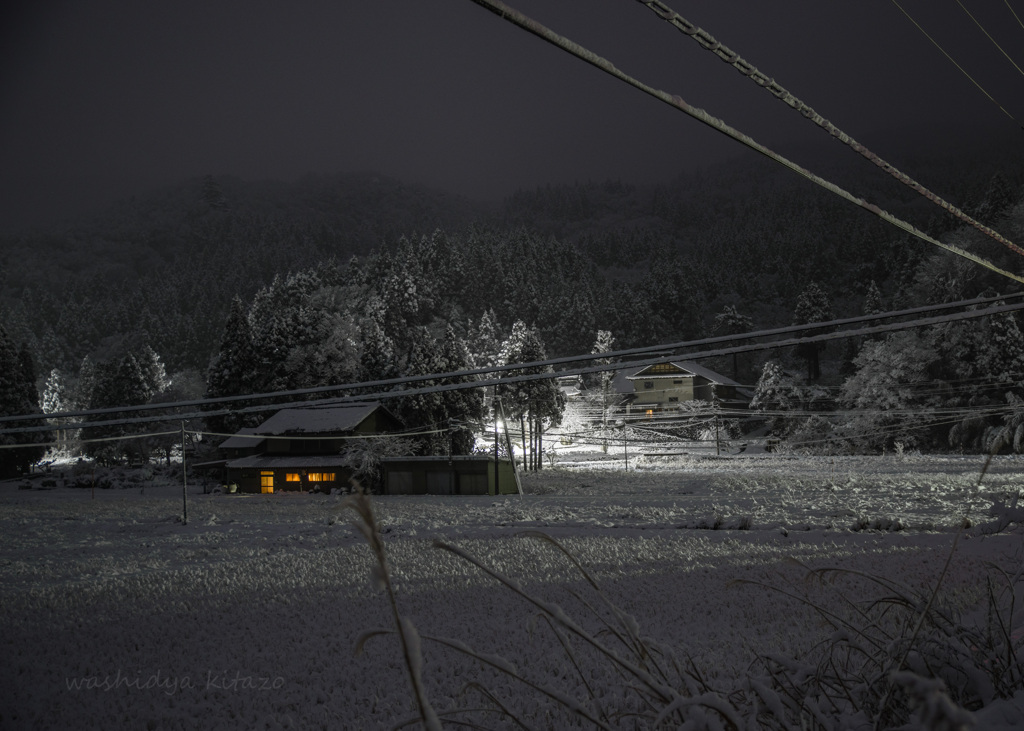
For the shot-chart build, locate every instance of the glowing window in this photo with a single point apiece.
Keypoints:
(664, 368)
(650, 412)
(292, 477)
(267, 481)
(320, 477)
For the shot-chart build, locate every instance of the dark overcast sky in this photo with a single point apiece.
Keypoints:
(102, 96)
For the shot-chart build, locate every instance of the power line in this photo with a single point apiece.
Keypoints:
(667, 349)
(545, 375)
(988, 35)
(1014, 12)
(709, 43)
(959, 67)
(677, 102)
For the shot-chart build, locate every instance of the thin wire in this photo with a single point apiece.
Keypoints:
(667, 350)
(709, 43)
(961, 68)
(977, 23)
(536, 376)
(545, 33)
(1014, 13)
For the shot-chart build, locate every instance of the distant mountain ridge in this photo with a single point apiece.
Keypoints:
(163, 266)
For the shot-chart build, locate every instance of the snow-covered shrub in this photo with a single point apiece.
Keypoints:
(363, 456)
(816, 435)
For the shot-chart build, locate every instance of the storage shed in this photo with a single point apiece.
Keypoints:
(457, 475)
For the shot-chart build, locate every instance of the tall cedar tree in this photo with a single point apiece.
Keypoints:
(232, 372)
(451, 411)
(534, 402)
(18, 396)
(121, 382)
(730, 322)
(812, 306)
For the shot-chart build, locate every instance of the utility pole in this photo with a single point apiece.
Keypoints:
(496, 490)
(451, 463)
(714, 405)
(625, 446)
(184, 480)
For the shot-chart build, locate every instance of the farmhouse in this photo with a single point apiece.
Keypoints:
(300, 448)
(662, 386)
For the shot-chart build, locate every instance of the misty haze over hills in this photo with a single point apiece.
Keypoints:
(168, 262)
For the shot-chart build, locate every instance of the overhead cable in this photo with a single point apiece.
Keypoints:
(536, 376)
(665, 349)
(545, 33)
(989, 36)
(959, 67)
(709, 43)
(1014, 12)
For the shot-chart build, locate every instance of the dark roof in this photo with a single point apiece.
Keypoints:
(318, 419)
(258, 461)
(443, 458)
(240, 441)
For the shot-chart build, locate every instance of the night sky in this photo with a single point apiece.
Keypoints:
(107, 97)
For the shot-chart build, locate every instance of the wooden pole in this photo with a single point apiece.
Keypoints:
(184, 480)
(625, 445)
(496, 490)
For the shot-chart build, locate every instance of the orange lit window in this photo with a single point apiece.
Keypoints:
(267, 481)
(320, 477)
(650, 412)
(292, 477)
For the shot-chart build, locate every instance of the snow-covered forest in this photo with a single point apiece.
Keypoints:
(219, 287)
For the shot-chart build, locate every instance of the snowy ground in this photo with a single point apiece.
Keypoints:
(116, 615)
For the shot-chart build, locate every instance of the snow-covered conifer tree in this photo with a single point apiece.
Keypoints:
(18, 396)
(813, 305)
(730, 322)
(775, 392)
(540, 402)
(378, 359)
(233, 370)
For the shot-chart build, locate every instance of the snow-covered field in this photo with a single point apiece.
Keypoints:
(116, 615)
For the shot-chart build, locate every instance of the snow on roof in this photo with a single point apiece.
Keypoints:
(258, 461)
(239, 441)
(317, 419)
(691, 368)
(443, 458)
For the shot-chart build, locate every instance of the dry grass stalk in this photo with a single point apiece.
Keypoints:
(366, 524)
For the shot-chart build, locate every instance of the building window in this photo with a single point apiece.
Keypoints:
(320, 477)
(665, 368)
(267, 481)
(677, 383)
(648, 384)
(292, 477)
(650, 412)
(673, 398)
